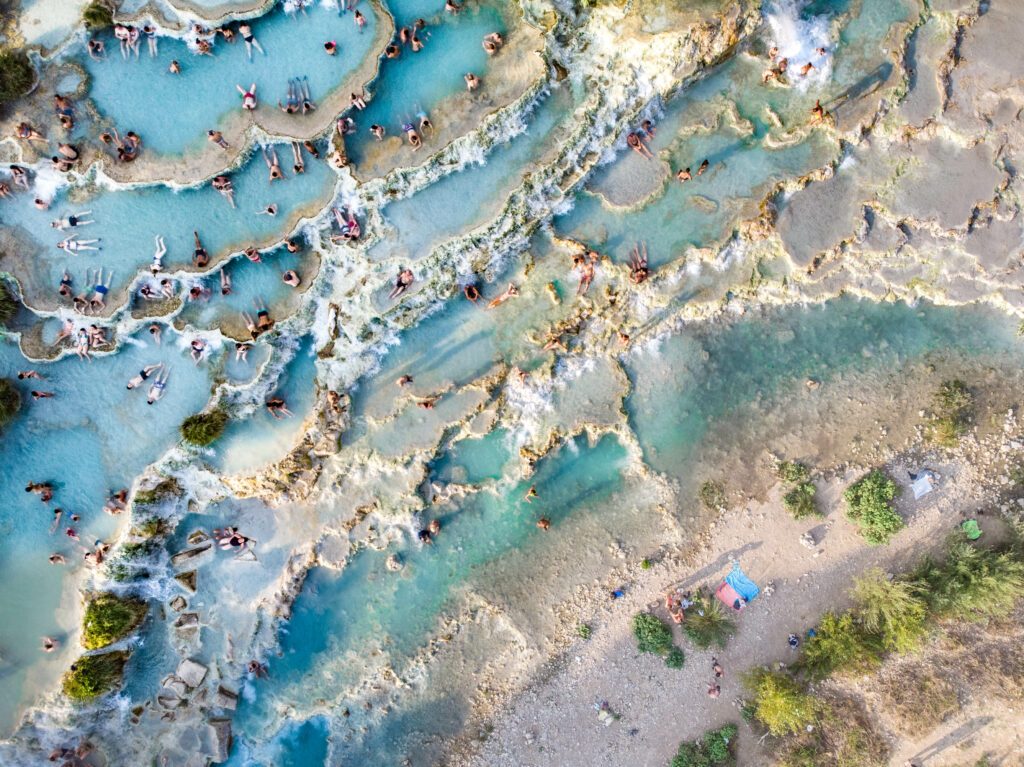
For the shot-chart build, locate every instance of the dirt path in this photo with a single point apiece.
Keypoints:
(555, 722)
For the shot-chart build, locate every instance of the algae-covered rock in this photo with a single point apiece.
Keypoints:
(94, 675)
(110, 618)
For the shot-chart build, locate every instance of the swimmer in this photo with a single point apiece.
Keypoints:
(72, 244)
(416, 43)
(773, 52)
(806, 68)
(175, 67)
(242, 352)
(310, 147)
(26, 132)
(392, 51)
(451, 6)
(156, 391)
(360, 20)
(65, 285)
(350, 229)
(56, 559)
(224, 188)
(20, 177)
(278, 408)
(634, 143)
(263, 321)
(472, 81)
(198, 292)
(227, 33)
(544, 523)
(100, 290)
(50, 644)
(270, 210)
(818, 113)
(292, 245)
(434, 527)
(471, 292)
(252, 254)
(703, 167)
(248, 96)
(97, 336)
(427, 403)
(648, 128)
(38, 395)
(225, 282)
(531, 494)
(150, 32)
(299, 166)
(270, 158)
(73, 220)
(404, 380)
(156, 332)
(97, 50)
(196, 349)
(117, 503)
(510, 292)
(377, 131)
(821, 52)
(358, 101)
(402, 282)
(684, 175)
(331, 47)
(291, 105)
(167, 288)
(290, 278)
(425, 124)
(250, 41)
(250, 324)
(424, 537)
(199, 255)
(25, 374)
(158, 254)
(638, 271)
(414, 138)
(217, 138)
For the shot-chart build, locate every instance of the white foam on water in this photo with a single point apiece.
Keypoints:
(798, 40)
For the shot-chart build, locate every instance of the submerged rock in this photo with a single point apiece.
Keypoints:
(191, 672)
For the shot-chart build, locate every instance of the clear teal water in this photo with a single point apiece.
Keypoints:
(198, 99)
(417, 82)
(90, 440)
(127, 221)
(475, 460)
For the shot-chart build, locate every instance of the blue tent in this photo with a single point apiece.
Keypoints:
(737, 589)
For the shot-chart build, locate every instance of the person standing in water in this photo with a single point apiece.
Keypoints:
(250, 41)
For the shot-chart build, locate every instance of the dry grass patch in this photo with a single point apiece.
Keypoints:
(915, 696)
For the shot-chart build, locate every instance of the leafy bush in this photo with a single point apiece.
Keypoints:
(150, 527)
(8, 305)
(779, 702)
(675, 658)
(583, 631)
(17, 75)
(793, 472)
(953, 405)
(973, 583)
(712, 748)
(707, 622)
(712, 495)
(204, 429)
(839, 644)
(652, 634)
(869, 504)
(799, 501)
(98, 15)
(890, 609)
(109, 618)
(94, 675)
(10, 401)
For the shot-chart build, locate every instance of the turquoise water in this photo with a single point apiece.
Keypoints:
(416, 82)
(475, 460)
(198, 99)
(92, 439)
(126, 222)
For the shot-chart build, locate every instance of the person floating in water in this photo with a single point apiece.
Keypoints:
(159, 386)
(634, 143)
(250, 42)
(492, 43)
(248, 97)
(199, 255)
(144, 375)
(510, 292)
(277, 407)
(270, 158)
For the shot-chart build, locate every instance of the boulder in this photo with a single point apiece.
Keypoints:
(191, 672)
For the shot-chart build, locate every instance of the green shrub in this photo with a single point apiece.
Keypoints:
(707, 622)
(645, 564)
(869, 504)
(150, 527)
(17, 75)
(973, 583)
(839, 644)
(711, 749)
(953, 411)
(890, 609)
(793, 472)
(137, 550)
(203, 429)
(652, 634)
(799, 501)
(779, 702)
(166, 488)
(583, 631)
(109, 618)
(10, 401)
(97, 15)
(675, 658)
(712, 495)
(93, 675)
(8, 305)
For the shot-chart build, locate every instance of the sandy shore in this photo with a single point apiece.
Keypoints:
(555, 723)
